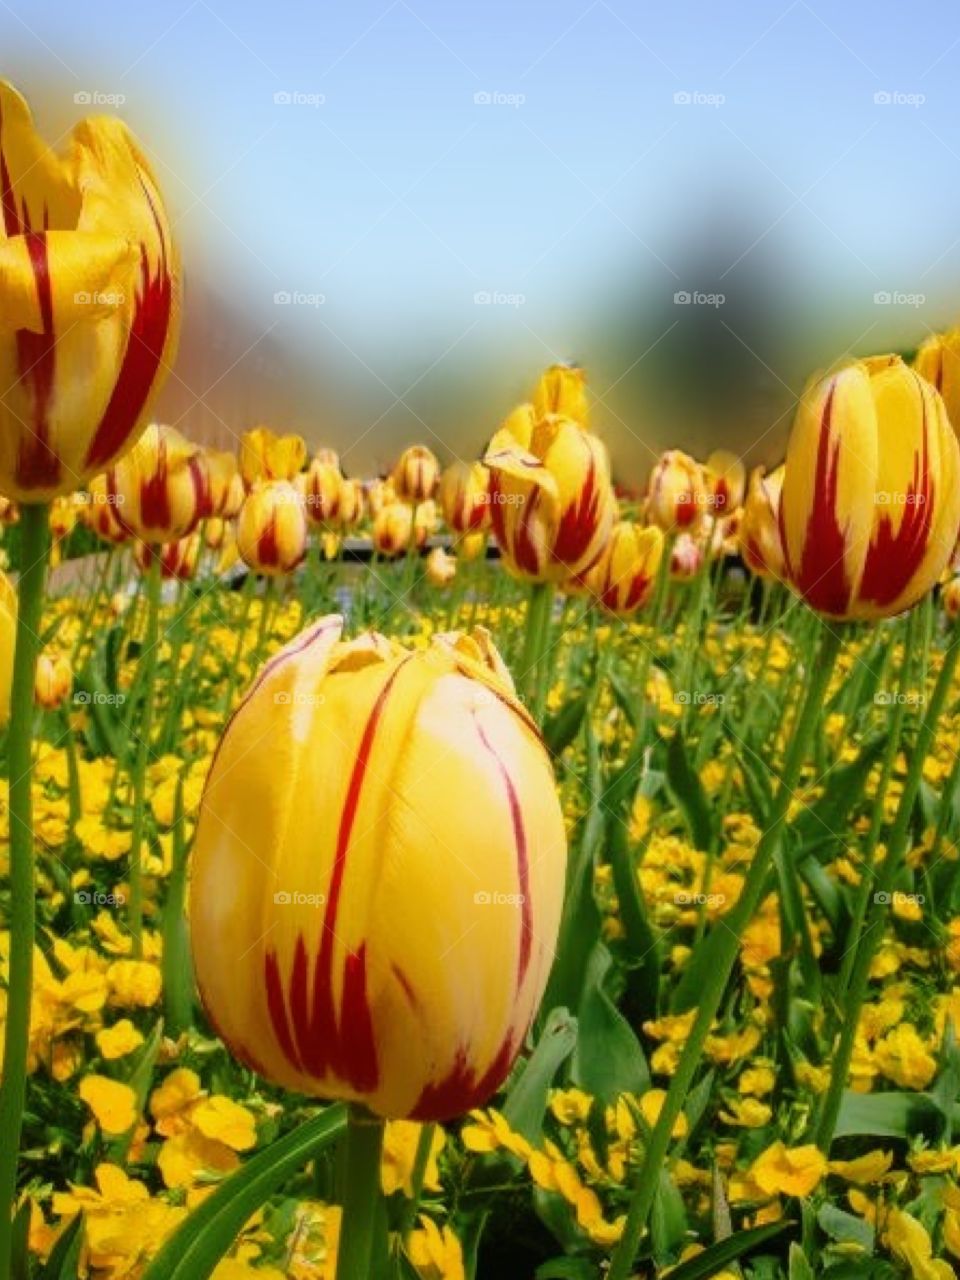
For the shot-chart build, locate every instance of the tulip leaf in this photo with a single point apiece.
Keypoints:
(560, 729)
(608, 1059)
(19, 1244)
(845, 1228)
(641, 943)
(195, 1248)
(886, 1115)
(822, 821)
(668, 1219)
(64, 1260)
(526, 1101)
(719, 1255)
(689, 794)
(799, 1267)
(566, 1269)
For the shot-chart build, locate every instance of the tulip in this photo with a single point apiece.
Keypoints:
(725, 477)
(677, 494)
(222, 480)
(562, 391)
(178, 560)
(329, 458)
(870, 506)
(214, 532)
(760, 543)
(9, 511)
(392, 529)
(552, 504)
(624, 576)
(272, 528)
(685, 558)
(53, 680)
(938, 360)
(379, 494)
(266, 456)
(950, 596)
(323, 487)
(441, 567)
(100, 512)
(472, 546)
(415, 475)
(236, 492)
(351, 504)
(464, 496)
(159, 488)
(119, 603)
(393, 949)
(90, 298)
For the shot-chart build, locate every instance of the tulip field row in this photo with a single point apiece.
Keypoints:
(570, 888)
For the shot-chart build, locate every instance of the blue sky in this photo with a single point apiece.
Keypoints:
(580, 195)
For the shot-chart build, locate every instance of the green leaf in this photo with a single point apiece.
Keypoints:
(845, 1228)
(560, 729)
(799, 1267)
(824, 821)
(688, 791)
(19, 1244)
(886, 1115)
(713, 1259)
(566, 1269)
(64, 1260)
(668, 1220)
(526, 1102)
(195, 1248)
(608, 1059)
(641, 944)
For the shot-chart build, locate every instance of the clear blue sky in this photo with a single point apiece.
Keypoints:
(581, 192)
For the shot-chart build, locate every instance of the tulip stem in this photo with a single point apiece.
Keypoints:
(148, 665)
(34, 550)
(724, 942)
(362, 1200)
(417, 1176)
(535, 644)
(884, 883)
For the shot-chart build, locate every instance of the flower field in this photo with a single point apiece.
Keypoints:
(481, 869)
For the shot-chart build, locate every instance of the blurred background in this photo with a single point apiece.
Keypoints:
(394, 214)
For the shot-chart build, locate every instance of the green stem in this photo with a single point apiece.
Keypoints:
(177, 970)
(35, 543)
(884, 883)
(539, 605)
(421, 1159)
(148, 665)
(725, 943)
(362, 1196)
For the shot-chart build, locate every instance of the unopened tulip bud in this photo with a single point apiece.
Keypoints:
(158, 488)
(472, 546)
(871, 493)
(950, 596)
(441, 568)
(760, 542)
(623, 578)
(100, 512)
(53, 681)
(178, 560)
(323, 493)
(938, 360)
(351, 504)
(265, 456)
(221, 478)
(8, 635)
(272, 528)
(465, 496)
(416, 474)
(677, 495)
(725, 478)
(562, 391)
(392, 529)
(392, 949)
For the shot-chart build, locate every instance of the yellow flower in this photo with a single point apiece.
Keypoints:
(870, 1167)
(113, 1104)
(904, 1058)
(171, 1102)
(226, 1121)
(189, 1157)
(758, 1081)
(435, 1252)
(748, 1113)
(909, 1242)
(119, 1040)
(399, 1153)
(789, 1171)
(135, 984)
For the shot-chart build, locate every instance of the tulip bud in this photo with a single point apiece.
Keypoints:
(221, 477)
(441, 568)
(323, 493)
(465, 496)
(266, 456)
(725, 477)
(53, 680)
(677, 496)
(871, 493)
(100, 512)
(379, 494)
(562, 391)
(351, 503)
(394, 948)
(392, 529)
(178, 560)
(938, 360)
(9, 511)
(950, 597)
(90, 300)
(685, 558)
(472, 546)
(415, 475)
(760, 542)
(552, 503)
(272, 528)
(214, 532)
(329, 458)
(623, 578)
(236, 492)
(158, 488)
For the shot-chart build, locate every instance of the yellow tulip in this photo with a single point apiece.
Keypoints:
(89, 299)
(178, 559)
(379, 494)
(351, 504)
(392, 529)
(221, 478)
(623, 578)
(441, 567)
(53, 680)
(323, 487)
(465, 497)
(272, 528)
(416, 474)
(760, 542)
(950, 596)
(562, 391)
(393, 947)
(266, 456)
(329, 457)
(100, 511)
(725, 477)
(158, 487)
(938, 360)
(870, 506)
(677, 492)
(552, 503)
(472, 546)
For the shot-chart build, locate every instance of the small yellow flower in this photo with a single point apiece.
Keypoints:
(225, 1121)
(435, 1252)
(399, 1153)
(113, 1104)
(119, 1040)
(867, 1168)
(789, 1171)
